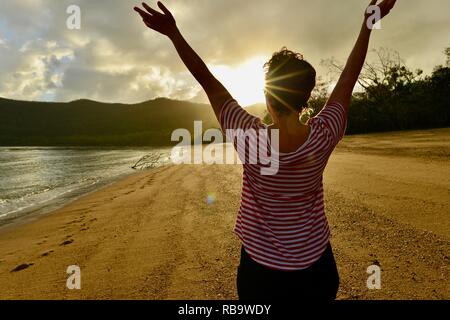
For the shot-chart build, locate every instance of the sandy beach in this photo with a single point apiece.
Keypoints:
(154, 235)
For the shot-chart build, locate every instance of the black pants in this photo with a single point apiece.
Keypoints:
(257, 282)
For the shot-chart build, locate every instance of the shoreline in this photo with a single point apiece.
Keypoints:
(156, 234)
(28, 215)
(35, 187)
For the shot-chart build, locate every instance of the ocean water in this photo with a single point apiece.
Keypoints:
(40, 179)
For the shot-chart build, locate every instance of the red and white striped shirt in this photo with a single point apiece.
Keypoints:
(281, 221)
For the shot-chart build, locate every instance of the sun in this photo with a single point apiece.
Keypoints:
(245, 81)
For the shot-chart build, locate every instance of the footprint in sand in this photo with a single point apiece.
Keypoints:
(66, 242)
(46, 253)
(79, 220)
(22, 266)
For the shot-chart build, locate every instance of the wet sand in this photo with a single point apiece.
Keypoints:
(154, 235)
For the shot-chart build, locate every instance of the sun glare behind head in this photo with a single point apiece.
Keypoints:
(245, 81)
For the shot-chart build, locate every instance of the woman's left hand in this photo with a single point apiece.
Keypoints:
(163, 23)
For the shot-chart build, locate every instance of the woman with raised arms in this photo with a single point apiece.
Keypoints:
(285, 253)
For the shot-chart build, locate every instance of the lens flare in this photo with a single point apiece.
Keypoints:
(211, 198)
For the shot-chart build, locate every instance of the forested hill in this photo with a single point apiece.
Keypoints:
(90, 123)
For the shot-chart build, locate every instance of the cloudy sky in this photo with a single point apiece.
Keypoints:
(114, 58)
